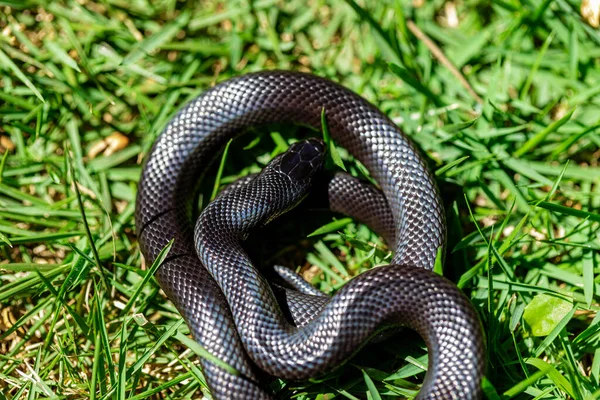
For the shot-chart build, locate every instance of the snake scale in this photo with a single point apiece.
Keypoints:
(230, 308)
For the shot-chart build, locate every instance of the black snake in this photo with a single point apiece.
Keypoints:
(231, 310)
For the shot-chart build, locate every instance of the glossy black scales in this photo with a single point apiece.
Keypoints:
(302, 160)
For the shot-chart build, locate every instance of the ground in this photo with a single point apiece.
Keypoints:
(502, 97)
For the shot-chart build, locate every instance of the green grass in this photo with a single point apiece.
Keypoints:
(516, 158)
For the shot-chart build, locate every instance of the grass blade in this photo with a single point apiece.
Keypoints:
(541, 135)
(217, 183)
(335, 156)
(8, 64)
(151, 43)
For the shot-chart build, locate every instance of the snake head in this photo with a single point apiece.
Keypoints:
(302, 160)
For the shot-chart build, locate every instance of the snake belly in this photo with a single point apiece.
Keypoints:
(406, 292)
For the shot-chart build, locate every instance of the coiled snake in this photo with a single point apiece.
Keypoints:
(231, 309)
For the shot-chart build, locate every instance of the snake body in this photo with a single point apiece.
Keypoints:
(231, 309)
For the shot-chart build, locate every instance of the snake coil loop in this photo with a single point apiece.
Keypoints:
(230, 308)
